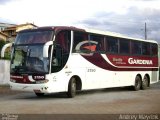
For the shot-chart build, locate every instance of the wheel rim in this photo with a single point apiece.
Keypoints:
(73, 87)
(145, 82)
(138, 83)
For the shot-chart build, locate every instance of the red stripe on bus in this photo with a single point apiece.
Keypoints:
(21, 79)
(100, 62)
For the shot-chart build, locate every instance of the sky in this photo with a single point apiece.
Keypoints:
(126, 17)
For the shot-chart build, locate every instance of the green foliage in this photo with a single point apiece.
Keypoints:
(2, 43)
(7, 53)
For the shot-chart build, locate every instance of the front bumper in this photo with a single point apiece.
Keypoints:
(42, 88)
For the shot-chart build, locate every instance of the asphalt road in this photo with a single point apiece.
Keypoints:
(104, 101)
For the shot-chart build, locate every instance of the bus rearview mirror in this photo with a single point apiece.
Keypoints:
(46, 47)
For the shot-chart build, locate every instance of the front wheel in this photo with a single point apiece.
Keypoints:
(72, 88)
(39, 94)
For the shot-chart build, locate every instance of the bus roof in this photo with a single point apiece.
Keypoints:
(118, 35)
(56, 28)
(107, 33)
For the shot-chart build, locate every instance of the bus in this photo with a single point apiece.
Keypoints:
(69, 59)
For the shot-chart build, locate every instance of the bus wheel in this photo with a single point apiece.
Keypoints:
(72, 88)
(138, 83)
(39, 94)
(145, 83)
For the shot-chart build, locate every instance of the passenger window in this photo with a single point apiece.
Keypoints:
(80, 42)
(154, 49)
(63, 39)
(97, 42)
(124, 46)
(61, 50)
(145, 48)
(112, 44)
(57, 58)
(136, 48)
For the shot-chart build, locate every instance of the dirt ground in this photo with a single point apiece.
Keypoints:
(103, 102)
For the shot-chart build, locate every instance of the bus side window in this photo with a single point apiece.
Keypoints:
(63, 39)
(57, 60)
(145, 48)
(124, 46)
(112, 44)
(99, 46)
(154, 49)
(80, 42)
(136, 47)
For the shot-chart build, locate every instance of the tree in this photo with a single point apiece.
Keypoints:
(2, 43)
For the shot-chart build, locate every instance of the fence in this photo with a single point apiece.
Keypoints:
(4, 72)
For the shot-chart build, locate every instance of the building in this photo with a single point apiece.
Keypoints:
(24, 26)
(3, 36)
(11, 32)
(5, 25)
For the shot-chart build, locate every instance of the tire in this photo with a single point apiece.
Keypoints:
(145, 83)
(39, 94)
(72, 88)
(138, 83)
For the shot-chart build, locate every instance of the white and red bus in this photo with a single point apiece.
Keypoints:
(69, 59)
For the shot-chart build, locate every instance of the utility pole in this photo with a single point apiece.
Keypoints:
(145, 32)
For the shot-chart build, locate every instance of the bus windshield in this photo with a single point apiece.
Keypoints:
(27, 55)
(34, 37)
(29, 60)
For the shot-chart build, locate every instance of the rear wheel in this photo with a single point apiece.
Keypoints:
(138, 83)
(72, 88)
(145, 83)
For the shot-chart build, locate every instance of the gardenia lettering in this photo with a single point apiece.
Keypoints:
(139, 61)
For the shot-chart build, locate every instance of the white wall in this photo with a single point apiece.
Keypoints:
(4, 72)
